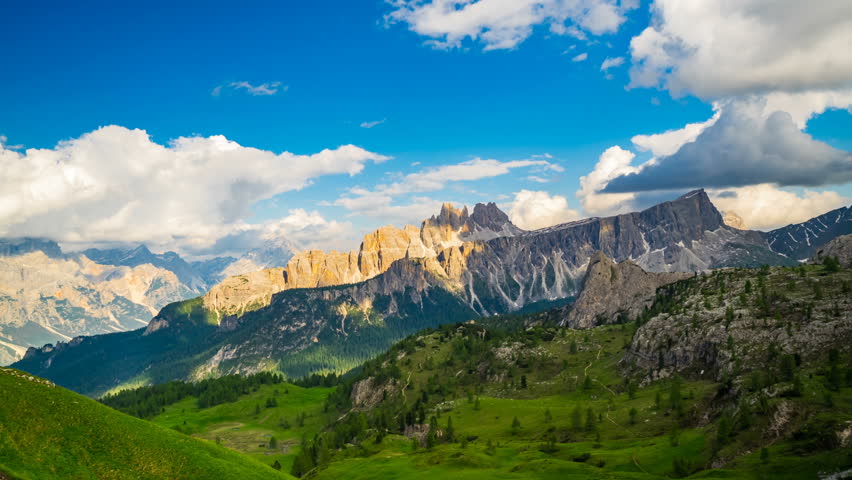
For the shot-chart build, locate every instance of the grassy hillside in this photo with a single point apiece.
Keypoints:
(568, 426)
(47, 432)
(284, 412)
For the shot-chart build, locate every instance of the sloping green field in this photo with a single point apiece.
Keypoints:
(47, 432)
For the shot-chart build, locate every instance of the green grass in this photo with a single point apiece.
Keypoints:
(47, 432)
(236, 425)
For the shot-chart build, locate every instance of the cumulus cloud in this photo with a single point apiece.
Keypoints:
(723, 48)
(500, 24)
(270, 88)
(744, 146)
(532, 210)
(115, 184)
(765, 206)
(612, 163)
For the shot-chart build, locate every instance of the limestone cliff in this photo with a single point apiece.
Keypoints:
(611, 290)
(445, 239)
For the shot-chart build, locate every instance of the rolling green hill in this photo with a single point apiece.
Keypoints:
(47, 432)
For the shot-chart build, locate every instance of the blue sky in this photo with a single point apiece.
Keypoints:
(70, 69)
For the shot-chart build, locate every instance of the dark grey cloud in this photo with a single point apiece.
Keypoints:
(742, 148)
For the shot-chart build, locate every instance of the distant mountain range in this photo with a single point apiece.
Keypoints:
(48, 296)
(331, 311)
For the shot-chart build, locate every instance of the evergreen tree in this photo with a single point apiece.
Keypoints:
(516, 426)
(632, 414)
(273, 443)
(590, 420)
(548, 417)
(523, 381)
(577, 418)
(764, 455)
(276, 465)
(449, 433)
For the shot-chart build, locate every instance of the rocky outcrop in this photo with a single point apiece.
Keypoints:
(368, 393)
(613, 291)
(839, 248)
(705, 329)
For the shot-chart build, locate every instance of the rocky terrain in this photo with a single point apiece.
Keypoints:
(717, 324)
(498, 267)
(613, 292)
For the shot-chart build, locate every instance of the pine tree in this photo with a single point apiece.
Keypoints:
(523, 381)
(577, 418)
(516, 426)
(449, 434)
(590, 420)
(633, 414)
(276, 465)
(548, 417)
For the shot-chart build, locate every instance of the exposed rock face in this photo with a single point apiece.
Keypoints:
(700, 338)
(367, 393)
(802, 240)
(445, 240)
(611, 290)
(685, 235)
(44, 299)
(839, 248)
(501, 268)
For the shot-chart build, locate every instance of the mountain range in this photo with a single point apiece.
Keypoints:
(330, 311)
(48, 296)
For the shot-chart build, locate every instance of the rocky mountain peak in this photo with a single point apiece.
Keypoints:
(488, 215)
(450, 216)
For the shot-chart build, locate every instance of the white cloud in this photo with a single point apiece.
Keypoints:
(670, 141)
(611, 63)
(372, 124)
(765, 206)
(115, 184)
(722, 48)
(501, 24)
(300, 229)
(537, 179)
(581, 57)
(614, 162)
(532, 210)
(263, 89)
(379, 202)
